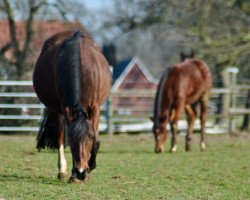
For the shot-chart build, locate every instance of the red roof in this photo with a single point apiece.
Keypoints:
(42, 31)
(134, 75)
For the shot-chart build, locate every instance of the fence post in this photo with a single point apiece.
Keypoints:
(233, 76)
(225, 98)
(109, 115)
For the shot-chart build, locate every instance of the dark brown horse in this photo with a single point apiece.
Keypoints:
(182, 86)
(72, 79)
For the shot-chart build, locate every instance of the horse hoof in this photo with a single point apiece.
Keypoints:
(76, 180)
(188, 148)
(62, 175)
(158, 150)
(203, 149)
(203, 146)
(173, 149)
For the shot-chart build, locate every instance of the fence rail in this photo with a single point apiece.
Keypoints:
(111, 118)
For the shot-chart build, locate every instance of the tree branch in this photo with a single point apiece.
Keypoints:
(5, 48)
(2, 8)
(12, 24)
(29, 30)
(6, 60)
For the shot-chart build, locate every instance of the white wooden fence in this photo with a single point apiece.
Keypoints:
(23, 107)
(110, 120)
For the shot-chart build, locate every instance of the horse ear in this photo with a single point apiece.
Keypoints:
(152, 119)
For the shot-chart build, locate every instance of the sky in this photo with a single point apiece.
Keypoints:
(95, 4)
(93, 22)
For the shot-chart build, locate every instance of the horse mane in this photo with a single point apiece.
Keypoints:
(69, 72)
(158, 98)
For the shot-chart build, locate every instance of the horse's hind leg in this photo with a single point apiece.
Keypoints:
(204, 105)
(191, 115)
(62, 164)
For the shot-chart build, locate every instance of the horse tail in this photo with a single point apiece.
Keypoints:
(69, 77)
(48, 133)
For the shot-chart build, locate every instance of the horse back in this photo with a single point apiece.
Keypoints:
(94, 72)
(97, 82)
(188, 80)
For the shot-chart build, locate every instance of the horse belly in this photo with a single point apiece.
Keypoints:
(45, 85)
(195, 92)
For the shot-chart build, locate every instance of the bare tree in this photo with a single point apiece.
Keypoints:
(28, 11)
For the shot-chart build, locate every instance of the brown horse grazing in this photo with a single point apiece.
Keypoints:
(182, 86)
(72, 79)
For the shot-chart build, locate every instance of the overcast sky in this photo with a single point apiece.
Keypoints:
(95, 18)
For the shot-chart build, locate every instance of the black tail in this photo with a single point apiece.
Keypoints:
(48, 133)
(69, 71)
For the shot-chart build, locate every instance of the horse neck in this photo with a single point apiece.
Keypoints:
(159, 108)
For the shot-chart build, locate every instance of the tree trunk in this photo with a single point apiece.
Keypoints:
(20, 69)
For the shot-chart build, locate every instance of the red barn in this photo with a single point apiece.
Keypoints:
(132, 75)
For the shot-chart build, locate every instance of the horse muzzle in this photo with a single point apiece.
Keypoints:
(77, 176)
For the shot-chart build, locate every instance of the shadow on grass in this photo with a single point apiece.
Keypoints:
(32, 179)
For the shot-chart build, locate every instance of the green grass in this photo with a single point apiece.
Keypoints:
(129, 169)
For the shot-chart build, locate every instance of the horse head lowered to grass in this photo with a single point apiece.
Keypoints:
(72, 79)
(185, 85)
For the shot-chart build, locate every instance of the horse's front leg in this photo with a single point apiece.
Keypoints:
(94, 151)
(96, 142)
(173, 124)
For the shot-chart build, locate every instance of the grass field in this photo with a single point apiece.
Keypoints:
(129, 169)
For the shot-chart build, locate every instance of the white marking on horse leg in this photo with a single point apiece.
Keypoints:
(203, 146)
(174, 148)
(62, 164)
